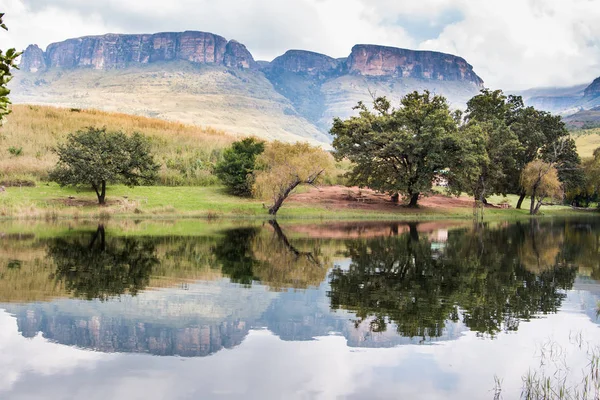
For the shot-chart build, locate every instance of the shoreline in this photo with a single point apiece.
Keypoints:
(49, 202)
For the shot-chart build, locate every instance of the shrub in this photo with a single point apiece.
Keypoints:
(238, 164)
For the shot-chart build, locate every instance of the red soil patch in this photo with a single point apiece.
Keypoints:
(344, 198)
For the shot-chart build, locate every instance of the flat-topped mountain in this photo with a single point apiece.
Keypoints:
(370, 60)
(203, 78)
(121, 51)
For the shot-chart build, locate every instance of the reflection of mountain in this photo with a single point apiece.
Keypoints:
(408, 286)
(111, 334)
(197, 320)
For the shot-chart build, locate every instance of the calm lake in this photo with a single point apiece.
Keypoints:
(199, 310)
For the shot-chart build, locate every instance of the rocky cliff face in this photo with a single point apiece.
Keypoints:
(371, 60)
(305, 62)
(593, 90)
(33, 59)
(120, 335)
(120, 51)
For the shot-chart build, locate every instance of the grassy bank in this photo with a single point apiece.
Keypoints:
(51, 202)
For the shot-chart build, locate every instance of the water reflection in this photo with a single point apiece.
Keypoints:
(378, 285)
(479, 278)
(100, 268)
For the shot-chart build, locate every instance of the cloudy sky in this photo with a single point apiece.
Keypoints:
(513, 44)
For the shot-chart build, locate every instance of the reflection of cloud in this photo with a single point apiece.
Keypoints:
(20, 356)
(265, 367)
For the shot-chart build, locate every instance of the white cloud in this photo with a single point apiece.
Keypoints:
(511, 43)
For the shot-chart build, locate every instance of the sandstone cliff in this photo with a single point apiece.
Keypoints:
(370, 60)
(306, 62)
(114, 51)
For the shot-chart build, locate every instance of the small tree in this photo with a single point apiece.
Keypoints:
(7, 62)
(96, 158)
(238, 164)
(590, 188)
(540, 180)
(283, 167)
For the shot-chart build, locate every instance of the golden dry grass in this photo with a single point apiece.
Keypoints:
(186, 152)
(587, 141)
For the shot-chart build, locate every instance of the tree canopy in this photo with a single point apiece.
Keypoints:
(284, 166)
(95, 157)
(490, 147)
(238, 164)
(8, 61)
(398, 150)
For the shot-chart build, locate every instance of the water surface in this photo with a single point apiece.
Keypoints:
(343, 310)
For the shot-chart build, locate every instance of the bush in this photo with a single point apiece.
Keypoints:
(238, 164)
(15, 151)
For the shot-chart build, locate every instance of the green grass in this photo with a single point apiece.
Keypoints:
(51, 202)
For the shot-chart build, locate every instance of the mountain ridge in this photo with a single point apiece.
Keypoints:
(300, 90)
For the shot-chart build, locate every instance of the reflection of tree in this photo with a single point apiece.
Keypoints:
(268, 256)
(102, 268)
(582, 246)
(283, 265)
(395, 279)
(479, 278)
(497, 288)
(541, 246)
(235, 255)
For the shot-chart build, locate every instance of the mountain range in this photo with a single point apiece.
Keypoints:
(205, 79)
(580, 105)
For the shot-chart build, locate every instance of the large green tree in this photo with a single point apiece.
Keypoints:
(487, 121)
(95, 157)
(8, 61)
(398, 150)
(238, 164)
(483, 167)
(540, 135)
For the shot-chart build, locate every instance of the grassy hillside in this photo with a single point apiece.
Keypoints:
(186, 152)
(587, 141)
(240, 102)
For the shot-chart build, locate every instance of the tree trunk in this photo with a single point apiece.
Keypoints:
(532, 206)
(414, 198)
(279, 201)
(414, 233)
(101, 193)
(521, 199)
(395, 198)
(538, 206)
(101, 234)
